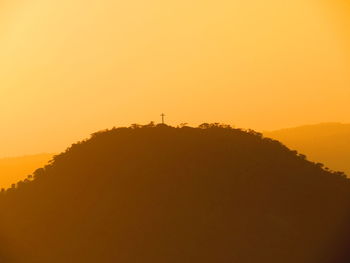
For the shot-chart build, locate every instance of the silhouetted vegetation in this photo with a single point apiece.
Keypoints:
(160, 194)
(16, 168)
(328, 143)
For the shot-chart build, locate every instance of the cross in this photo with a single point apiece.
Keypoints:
(162, 115)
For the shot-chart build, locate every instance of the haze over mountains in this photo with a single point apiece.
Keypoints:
(162, 194)
(328, 143)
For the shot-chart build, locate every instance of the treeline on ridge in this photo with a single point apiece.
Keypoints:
(155, 193)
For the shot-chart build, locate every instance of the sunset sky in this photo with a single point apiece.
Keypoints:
(71, 67)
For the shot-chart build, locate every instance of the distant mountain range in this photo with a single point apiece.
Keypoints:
(328, 143)
(158, 194)
(14, 169)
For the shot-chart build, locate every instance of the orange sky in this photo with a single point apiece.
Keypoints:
(71, 67)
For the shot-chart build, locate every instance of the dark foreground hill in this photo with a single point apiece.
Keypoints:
(176, 195)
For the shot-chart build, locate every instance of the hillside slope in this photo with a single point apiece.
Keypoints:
(328, 143)
(14, 169)
(162, 194)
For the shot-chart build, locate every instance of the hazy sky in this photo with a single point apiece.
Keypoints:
(71, 67)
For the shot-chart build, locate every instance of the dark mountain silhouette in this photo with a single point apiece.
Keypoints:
(160, 194)
(328, 143)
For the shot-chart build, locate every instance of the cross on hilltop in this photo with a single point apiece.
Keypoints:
(163, 115)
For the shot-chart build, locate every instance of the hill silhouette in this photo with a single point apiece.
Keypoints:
(328, 143)
(162, 194)
(13, 169)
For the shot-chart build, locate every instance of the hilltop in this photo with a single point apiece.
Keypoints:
(328, 143)
(162, 194)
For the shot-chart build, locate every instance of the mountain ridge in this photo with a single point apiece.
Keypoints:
(156, 193)
(328, 143)
(14, 169)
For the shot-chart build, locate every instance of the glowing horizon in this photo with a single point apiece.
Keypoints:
(69, 68)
